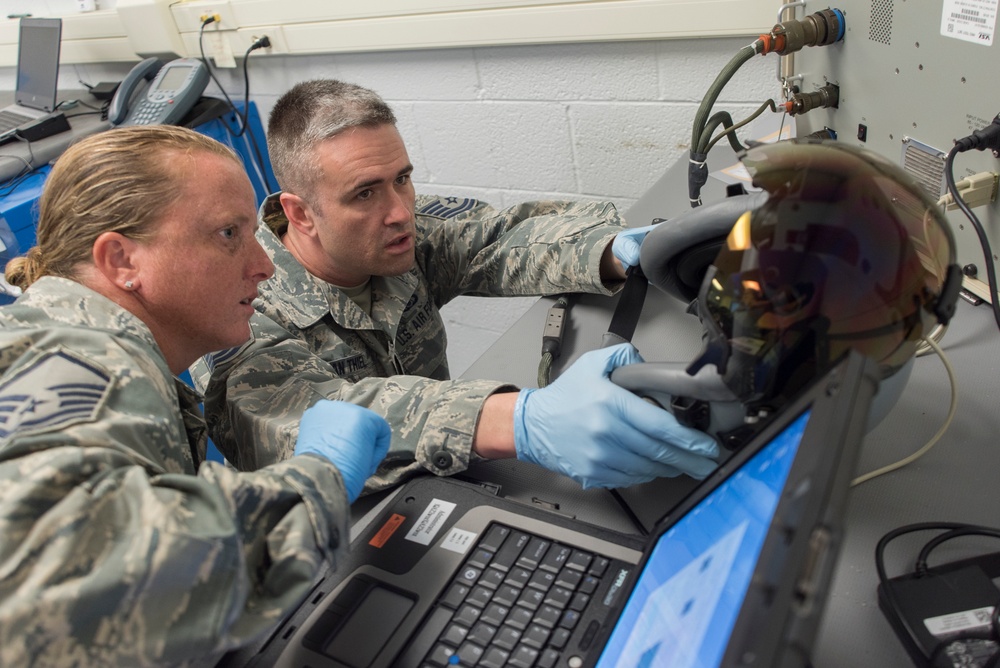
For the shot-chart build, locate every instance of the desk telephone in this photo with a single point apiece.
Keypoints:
(158, 93)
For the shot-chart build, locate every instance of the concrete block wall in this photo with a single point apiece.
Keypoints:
(508, 124)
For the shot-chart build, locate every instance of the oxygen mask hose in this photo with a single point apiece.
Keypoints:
(819, 29)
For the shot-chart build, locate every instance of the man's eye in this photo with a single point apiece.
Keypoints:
(403, 180)
(228, 233)
(365, 194)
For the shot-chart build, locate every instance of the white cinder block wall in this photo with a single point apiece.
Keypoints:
(507, 124)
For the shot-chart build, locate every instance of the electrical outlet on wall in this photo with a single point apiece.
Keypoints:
(190, 15)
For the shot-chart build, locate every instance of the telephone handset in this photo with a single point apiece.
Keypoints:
(174, 88)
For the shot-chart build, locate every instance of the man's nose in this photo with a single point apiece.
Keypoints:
(400, 208)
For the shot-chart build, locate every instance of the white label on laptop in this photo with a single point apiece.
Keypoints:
(459, 540)
(430, 522)
(959, 622)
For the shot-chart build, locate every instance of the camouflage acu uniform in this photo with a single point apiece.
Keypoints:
(313, 342)
(119, 545)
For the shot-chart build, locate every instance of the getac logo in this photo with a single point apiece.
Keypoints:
(615, 586)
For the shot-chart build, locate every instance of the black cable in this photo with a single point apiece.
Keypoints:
(103, 109)
(87, 113)
(261, 43)
(14, 182)
(984, 242)
(211, 73)
(246, 86)
(261, 165)
(921, 563)
(243, 119)
(83, 104)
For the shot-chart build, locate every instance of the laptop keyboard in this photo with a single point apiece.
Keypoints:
(514, 602)
(10, 120)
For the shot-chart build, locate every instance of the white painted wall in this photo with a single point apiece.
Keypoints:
(507, 124)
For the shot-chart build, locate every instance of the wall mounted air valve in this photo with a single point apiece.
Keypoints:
(800, 103)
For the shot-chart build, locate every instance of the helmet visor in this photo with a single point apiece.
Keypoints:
(847, 252)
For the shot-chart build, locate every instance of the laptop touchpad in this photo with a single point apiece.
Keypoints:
(364, 631)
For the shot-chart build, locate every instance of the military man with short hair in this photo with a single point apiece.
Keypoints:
(362, 267)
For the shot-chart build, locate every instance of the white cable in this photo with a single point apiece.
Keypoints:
(936, 335)
(934, 439)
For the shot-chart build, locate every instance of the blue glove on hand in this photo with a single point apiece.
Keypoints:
(602, 435)
(626, 245)
(353, 438)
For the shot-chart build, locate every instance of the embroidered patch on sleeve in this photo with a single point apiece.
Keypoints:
(448, 207)
(54, 391)
(218, 358)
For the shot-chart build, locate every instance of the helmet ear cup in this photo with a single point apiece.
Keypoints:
(683, 274)
(676, 253)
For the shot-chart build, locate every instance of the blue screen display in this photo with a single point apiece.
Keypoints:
(688, 596)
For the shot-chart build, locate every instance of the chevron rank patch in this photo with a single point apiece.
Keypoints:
(54, 391)
(216, 359)
(448, 207)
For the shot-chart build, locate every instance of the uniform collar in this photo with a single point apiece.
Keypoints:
(66, 301)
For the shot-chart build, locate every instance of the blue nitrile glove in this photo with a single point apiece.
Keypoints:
(626, 245)
(353, 438)
(602, 435)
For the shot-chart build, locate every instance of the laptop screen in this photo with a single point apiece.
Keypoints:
(686, 600)
(38, 63)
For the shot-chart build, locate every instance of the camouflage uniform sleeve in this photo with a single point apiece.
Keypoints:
(255, 398)
(533, 248)
(103, 562)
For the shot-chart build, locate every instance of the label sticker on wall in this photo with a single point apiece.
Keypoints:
(430, 521)
(970, 20)
(459, 540)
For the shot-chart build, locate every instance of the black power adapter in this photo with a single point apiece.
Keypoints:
(45, 126)
(105, 90)
(943, 615)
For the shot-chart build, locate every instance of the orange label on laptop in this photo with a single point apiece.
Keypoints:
(385, 533)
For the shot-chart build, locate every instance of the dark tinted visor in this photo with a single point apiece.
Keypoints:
(846, 246)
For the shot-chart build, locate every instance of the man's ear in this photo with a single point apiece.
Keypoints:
(298, 213)
(115, 258)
